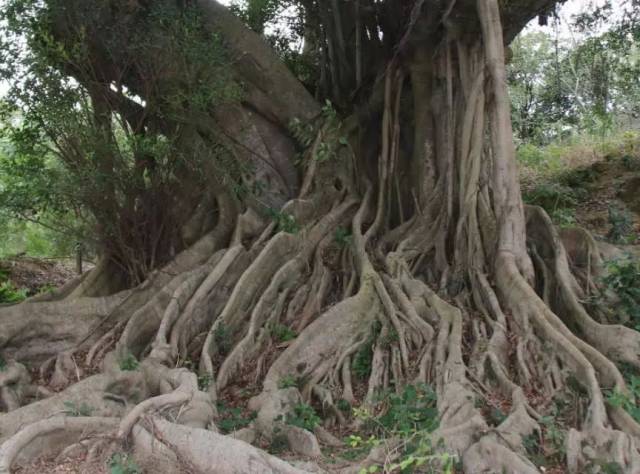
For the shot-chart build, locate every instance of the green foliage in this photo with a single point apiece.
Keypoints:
(279, 442)
(343, 237)
(285, 222)
(630, 402)
(576, 178)
(343, 405)
(128, 362)
(204, 381)
(233, 418)
(282, 333)
(562, 88)
(72, 156)
(73, 409)
(11, 294)
(121, 463)
(623, 279)
(303, 416)
(3, 364)
(413, 409)
(302, 132)
(330, 138)
(361, 363)
(410, 416)
(289, 381)
(551, 196)
(547, 448)
(558, 200)
(622, 226)
(222, 339)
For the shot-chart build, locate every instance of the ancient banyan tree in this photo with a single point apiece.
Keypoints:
(366, 201)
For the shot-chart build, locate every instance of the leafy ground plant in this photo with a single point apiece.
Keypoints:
(623, 280)
(410, 416)
(128, 362)
(121, 463)
(233, 418)
(11, 294)
(282, 333)
(303, 416)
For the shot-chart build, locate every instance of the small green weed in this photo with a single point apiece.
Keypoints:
(3, 364)
(233, 418)
(282, 333)
(204, 381)
(289, 381)
(303, 416)
(128, 362)
(122, 464)
(285, 222)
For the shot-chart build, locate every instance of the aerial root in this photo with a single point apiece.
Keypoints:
(53, 434)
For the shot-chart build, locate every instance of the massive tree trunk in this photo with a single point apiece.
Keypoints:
(446, 277)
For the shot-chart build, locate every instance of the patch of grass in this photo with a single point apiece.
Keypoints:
(128, 362)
